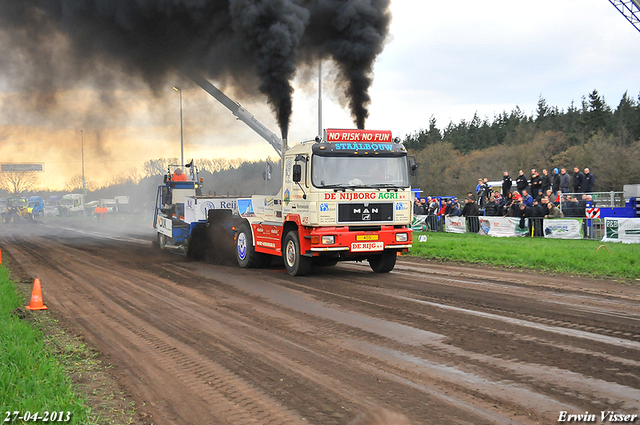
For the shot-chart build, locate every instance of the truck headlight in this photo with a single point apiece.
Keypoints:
(402, 237)
(328, 240)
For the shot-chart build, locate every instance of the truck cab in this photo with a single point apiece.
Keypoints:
(72, 204)
(35, 206)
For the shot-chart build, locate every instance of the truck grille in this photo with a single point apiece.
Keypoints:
(363, 213)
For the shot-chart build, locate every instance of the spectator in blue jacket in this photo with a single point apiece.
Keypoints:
(454, 211)
(527, 200)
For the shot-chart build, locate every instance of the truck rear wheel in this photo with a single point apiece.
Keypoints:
(245, 251)
(294, 261)
(383, 263)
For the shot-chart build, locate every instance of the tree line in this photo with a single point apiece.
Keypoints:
(593, 135)
(222, 177)
(450, 160)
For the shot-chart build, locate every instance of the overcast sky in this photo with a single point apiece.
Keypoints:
(449, 60)
(452, 59)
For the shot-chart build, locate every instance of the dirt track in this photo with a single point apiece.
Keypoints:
(444, 344)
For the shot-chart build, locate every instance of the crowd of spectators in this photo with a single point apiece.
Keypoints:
(535, 197)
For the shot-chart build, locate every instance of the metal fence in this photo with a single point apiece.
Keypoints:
(593, 228)
(599, 199)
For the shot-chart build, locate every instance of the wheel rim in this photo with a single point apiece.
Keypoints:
(242, 246)
(291, 253)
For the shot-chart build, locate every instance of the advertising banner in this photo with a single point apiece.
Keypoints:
(502, 227)
(625, 230)
(455, 225)
(562, 229)
(196, 209)
(417, 222)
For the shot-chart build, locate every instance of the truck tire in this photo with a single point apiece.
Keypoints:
(383, 263)
(295, 263)
(245, 251)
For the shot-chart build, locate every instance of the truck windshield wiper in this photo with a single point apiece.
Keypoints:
(335, 186)
(387, 185)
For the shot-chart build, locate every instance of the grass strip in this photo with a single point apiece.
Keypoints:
(573, 257)
(31, 378)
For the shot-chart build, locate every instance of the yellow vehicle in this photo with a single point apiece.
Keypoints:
(15, 209)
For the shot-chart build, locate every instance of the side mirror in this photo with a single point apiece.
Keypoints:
(413, 166)
(297, 173)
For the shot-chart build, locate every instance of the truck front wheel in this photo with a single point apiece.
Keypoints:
(245, 251)
(383, 263)
(294, 261)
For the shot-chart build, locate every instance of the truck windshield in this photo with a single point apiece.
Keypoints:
(331, 171)
(17, 202)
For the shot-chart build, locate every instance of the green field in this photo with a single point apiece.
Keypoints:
(575, 257)
(32, 379)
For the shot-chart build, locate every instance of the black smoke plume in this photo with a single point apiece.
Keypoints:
(48, 45)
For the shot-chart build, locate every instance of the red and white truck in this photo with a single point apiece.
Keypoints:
(345, 197)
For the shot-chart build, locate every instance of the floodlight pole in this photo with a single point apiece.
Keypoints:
(84, 182)
(179, 90)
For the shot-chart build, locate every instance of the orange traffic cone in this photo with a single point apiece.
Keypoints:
(36, 297)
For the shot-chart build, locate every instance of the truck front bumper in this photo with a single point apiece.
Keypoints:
(359, 241)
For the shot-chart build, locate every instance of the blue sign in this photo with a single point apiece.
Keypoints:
(245, 207)
(324, 207)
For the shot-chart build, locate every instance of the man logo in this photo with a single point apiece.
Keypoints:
(366, 217)
(366, 211)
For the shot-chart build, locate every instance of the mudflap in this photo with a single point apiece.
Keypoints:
(326, 261)
(197, 243)
(220, 237)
